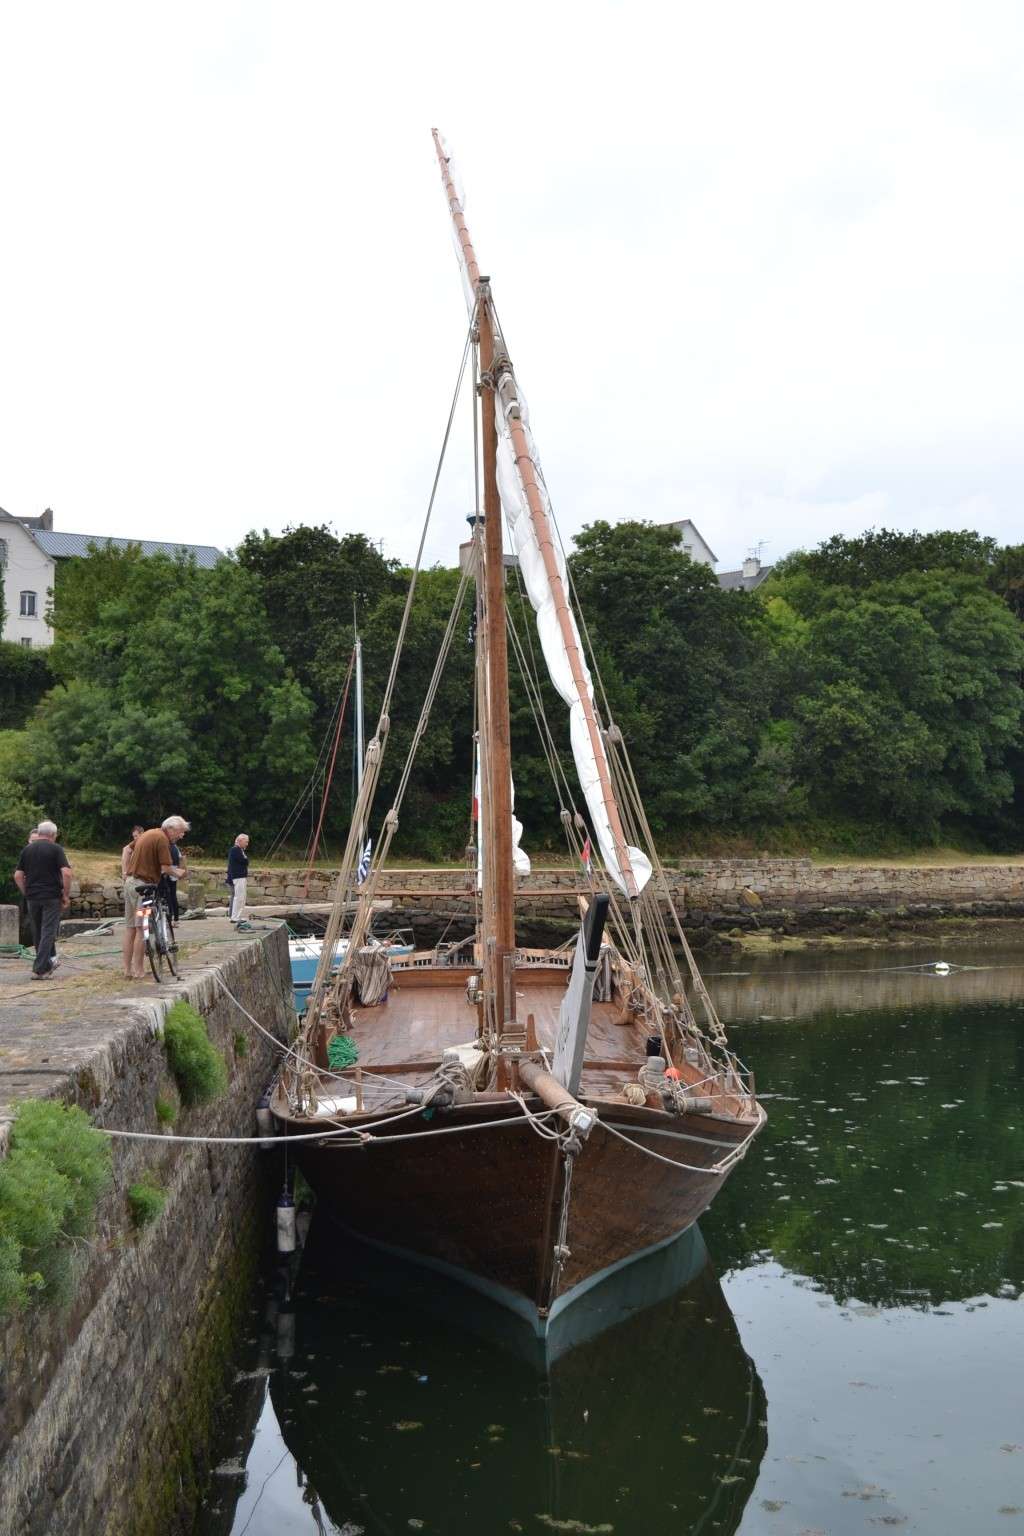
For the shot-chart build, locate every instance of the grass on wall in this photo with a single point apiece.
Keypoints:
(50, 1182)
(199, 1069)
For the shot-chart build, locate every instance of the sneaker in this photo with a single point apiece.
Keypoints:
(41, 975)
(54, 962)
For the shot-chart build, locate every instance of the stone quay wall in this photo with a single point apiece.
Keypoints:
(707, 889)
(106, 1406)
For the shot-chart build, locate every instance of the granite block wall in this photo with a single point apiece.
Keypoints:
(105, 1406)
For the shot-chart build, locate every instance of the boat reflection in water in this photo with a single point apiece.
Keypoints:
(408, 1399)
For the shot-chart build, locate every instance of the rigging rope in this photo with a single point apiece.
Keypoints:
(330, 774)
(345, 887)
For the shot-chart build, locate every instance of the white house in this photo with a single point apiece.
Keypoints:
(29, 550)
(26, 571)
(692, 543)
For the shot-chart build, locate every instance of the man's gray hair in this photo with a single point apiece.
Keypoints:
(172, 822)
(47, 829)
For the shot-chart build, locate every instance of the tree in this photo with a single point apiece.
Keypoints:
(1006, 577)
(18, 815)
(25, 675)
(311, 584)
(180, 702)
(682, 663)
(435, 814)
(883, 555)
(904, 692)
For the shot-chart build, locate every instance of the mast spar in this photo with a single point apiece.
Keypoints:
(496, 767)
(507, 421)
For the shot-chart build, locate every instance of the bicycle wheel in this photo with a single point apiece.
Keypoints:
(149, 936)
(165, 939)
(159, 939)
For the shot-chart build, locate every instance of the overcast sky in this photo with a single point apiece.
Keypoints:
(758, 265)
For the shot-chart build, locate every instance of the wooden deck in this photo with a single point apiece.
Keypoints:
(427, 1012)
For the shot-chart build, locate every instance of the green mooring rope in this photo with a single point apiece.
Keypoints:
(342, 1052)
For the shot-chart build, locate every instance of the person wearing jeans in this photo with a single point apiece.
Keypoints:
(238, 877)
(43, 877)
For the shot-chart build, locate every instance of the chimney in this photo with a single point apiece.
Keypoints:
(751, 566)
(46, 521)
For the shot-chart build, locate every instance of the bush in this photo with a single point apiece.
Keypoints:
(146, 1200)
(199, 1069)
(17, 816)
(166, 1112)
(50, 1182)
(241, 1044)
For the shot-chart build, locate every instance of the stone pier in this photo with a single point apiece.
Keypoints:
(707, 890)
(106, 1403)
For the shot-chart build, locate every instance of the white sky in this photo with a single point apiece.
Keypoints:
(759, 265)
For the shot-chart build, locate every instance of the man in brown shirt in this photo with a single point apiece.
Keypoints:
(151, 857)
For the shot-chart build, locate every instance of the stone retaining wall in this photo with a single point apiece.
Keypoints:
(105, 1407)
(704, 885)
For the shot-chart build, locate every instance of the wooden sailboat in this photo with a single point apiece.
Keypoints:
(525, 1119)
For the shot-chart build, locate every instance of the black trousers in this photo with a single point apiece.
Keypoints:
(45, 919)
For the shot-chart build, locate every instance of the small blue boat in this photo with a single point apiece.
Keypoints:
(304, 955)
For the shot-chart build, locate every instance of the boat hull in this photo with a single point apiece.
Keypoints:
(481, 1197)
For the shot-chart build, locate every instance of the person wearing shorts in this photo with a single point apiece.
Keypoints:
(150, 858)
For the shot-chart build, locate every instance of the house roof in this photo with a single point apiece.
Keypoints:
(63, 545)
(735, 581)
(687, 522)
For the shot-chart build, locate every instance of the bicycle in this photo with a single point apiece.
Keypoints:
(157, 932)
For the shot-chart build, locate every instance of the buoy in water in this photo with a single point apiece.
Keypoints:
(941, 968)
(285, 1223)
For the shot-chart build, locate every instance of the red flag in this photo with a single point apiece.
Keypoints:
(585, 856)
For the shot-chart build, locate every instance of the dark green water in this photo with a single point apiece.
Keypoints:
(858, 1367)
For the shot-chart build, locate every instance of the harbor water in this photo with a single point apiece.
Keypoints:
(838, 1351)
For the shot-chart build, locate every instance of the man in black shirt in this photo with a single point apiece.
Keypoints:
(43, 877)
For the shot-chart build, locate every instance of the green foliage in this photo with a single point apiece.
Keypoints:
(199, 1069)
(681, 659)
(166, 1111)
(241, 1044)
(868, 694)
(25, 675)
(171, 680)
(312, 584)
(882, 555)
(56, 1170)
(900, 681)
(146, 1200)
(1006, 578)
(18, 815)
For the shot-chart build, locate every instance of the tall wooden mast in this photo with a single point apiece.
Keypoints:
(496, 768)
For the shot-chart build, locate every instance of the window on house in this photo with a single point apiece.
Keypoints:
(26, 641)
(28, 605)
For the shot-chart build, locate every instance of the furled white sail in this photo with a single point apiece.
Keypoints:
(520, 858)
(588, 753)
(538, 586)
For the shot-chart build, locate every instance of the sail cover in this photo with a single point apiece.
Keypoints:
(516, 508)
(538, 586)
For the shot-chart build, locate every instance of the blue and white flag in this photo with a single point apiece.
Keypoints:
(364, 862)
